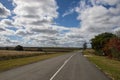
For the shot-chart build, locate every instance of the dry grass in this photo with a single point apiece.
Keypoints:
(8, 52)
(5, 54)
(11, 59)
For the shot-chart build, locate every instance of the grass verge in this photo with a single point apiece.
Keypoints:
(109, 66)
(9, 64)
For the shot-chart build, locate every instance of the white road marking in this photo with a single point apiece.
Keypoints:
(61, 67)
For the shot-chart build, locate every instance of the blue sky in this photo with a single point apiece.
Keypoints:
(64, 6)
(69, 20)
(67, 23)
(7, 4)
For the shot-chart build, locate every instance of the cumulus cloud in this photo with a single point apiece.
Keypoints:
(35, 12)
(4, 12)
(4, 41)
(6, 32)
(48, 31)
(6, 23)
(106, 2)
(35, 19)
(34, 22)
(21, 32)
(96, 18)
(2, 29)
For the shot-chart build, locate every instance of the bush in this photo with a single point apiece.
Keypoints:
(39, 49)
(115, 53)
(99, 42)
(19, 48)
(6, 48)
(112, 48)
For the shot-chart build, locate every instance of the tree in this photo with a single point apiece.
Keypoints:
(6, 48)
(117, 33)
(19, 48)
(39, 49)
(84, 45)
(100, 40)
(112, 48)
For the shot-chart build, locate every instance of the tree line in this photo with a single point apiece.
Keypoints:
(107, 44)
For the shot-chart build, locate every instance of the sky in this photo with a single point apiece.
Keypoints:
(56, 23)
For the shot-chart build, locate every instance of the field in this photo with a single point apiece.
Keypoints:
(31, 51)
(10, 58)
(110, 66)
(5, 54)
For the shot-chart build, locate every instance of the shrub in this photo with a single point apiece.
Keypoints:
(39, 49)
(19, 48)
(112, 48)
(99, 42)
(6, 48)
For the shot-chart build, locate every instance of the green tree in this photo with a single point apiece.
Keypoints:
(6, 48)
(19, 48)
(99, 41)
(84, 45)
(39, 49)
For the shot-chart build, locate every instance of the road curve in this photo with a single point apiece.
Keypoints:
(73, 66)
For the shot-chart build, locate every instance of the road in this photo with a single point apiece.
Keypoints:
(73, 66)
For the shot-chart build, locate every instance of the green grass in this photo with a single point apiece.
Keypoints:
(109, 66)
(13, 63)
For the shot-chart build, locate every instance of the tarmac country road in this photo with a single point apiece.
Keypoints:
(73, 66)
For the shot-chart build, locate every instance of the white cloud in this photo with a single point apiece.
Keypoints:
(2, 29)
(34, 21)
(37, 12)
(4, 41)
(6, 32)
(43, 30)
(96, 19)
(6, 23)
(34, 24)
(21, 32)
(108, 2)
(35, 18)
(68, 12)
(4, 12)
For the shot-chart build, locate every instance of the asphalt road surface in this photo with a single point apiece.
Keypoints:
(73, 66)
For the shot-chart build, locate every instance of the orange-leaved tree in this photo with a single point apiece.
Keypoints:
(112, 48)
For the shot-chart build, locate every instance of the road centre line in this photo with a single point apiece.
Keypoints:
(61, 67)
